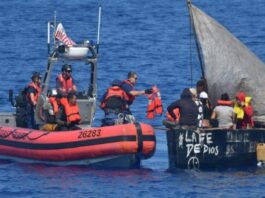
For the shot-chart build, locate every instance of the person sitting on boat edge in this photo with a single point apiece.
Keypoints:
(51, 111)
(187, 108)
(69, 113)
(114, 103)
(224, 113)
(33, 91)
(65, 82)
(244, 111)
(207, 109)
(128, 86)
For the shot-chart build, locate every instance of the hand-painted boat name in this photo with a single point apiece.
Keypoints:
(198, 143)
(89, 133)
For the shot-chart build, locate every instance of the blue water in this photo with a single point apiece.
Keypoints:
(149, 37)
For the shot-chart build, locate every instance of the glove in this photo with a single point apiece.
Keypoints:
(148, 91)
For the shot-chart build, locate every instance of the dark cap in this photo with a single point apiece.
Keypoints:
(131, 74)
(67, 67)
(116, 82)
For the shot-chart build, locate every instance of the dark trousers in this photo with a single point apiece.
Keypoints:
(31, 124)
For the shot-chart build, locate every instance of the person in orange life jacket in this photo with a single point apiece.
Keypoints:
(65, 82)
(128, 87)
(32, 92)
(50, 110)
(187, 108)
(114, 99)
(224, 113)
(113, 102)
(69, 113)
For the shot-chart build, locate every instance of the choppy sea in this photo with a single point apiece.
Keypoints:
(149, 37)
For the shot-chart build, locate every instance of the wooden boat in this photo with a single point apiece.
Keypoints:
(221, 56)
(123, 145)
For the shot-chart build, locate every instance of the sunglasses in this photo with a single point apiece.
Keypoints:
(68, 71)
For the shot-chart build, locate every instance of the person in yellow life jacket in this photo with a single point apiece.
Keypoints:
(65, 82)
(69, 113)
(244, 111)
(33, 91)
(128, 86)
(113, 102)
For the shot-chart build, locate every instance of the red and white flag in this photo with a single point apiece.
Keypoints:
(61, 35)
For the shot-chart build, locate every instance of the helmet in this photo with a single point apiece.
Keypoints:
(203, 95)
(36, 75)
(66, 67)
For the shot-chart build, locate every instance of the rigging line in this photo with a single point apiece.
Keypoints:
(191, 66)
(43, 134)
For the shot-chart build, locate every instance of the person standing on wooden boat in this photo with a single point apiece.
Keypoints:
(244, 111)
(207, 109)
(33, 91)
(187, 108)
(65, 82)
(69, 113)
(114, 103)
(199, 106)
(201, 86)
(128, 87)
(224, 113)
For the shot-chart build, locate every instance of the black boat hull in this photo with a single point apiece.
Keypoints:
(213, 148)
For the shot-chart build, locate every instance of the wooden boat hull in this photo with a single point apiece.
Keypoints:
(213, 148)
(129, 143)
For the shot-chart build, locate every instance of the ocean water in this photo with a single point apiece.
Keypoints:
(149, 37)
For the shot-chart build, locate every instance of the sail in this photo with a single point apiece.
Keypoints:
(229, 66)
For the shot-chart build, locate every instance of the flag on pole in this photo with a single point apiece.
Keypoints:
(61, 35)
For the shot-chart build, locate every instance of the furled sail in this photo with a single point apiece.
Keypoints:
(229, 66)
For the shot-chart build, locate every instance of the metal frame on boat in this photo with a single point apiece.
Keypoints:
(116, 146)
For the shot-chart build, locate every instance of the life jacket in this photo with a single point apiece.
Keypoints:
(36, 93)
(129, 96)
(66, 84)
(177, 114)
(71, 111)
(114, 91)
(225, 102)
(54, 104)
(154, 104)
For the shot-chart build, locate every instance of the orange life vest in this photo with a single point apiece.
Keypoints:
(129, 96)
(54, 103)
(37, 91)
(176, 112)
(71, 111)
(66, 84)
(225, 102)
(114, 91)
(154, 104)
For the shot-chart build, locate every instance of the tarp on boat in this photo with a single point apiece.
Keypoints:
(229, 66)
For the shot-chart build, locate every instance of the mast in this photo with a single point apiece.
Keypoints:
(196, 39)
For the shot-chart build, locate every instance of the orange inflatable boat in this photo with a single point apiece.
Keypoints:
(115, 146)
